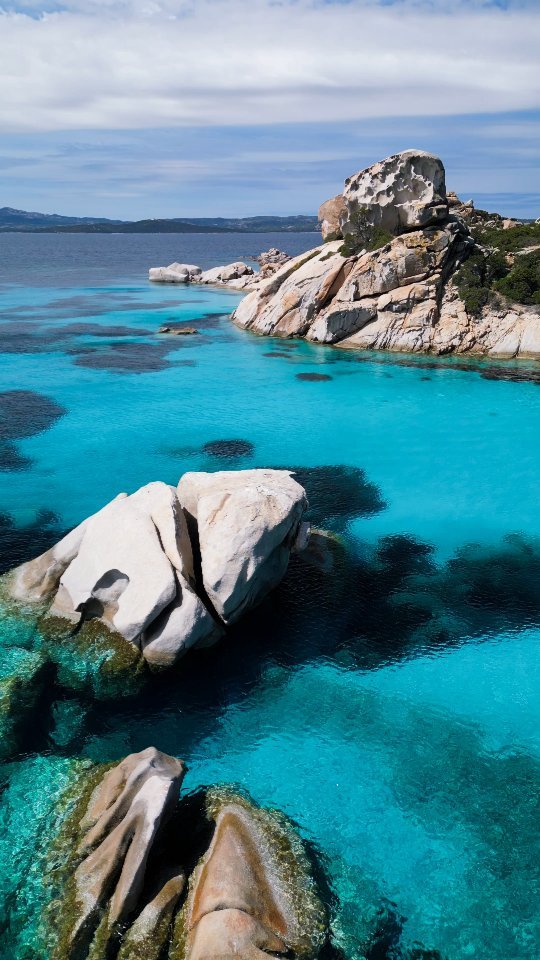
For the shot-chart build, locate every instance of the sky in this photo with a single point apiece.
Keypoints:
(170, 108)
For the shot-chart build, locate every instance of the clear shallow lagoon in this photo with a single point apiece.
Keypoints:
(391, 708)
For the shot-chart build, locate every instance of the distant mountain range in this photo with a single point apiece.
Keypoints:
(17, 221)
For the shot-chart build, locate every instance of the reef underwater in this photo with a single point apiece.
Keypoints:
(269, 622)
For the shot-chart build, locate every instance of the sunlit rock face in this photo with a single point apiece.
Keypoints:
(130, 567)
(332, 215)
(245, 523)
(403, 192)
(389, 285)
(144, 874)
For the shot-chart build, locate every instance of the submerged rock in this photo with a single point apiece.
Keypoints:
(178, 330)
(389, 285)
(122, 885)
(246, 524)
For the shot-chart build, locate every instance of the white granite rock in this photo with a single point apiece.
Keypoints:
(402, 192)
(233, 271)
(247, 523)
(185, 623)
(175, 273)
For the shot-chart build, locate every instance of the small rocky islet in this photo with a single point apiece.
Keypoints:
(404, 266)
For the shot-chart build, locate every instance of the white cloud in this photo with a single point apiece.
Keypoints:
(121, 64)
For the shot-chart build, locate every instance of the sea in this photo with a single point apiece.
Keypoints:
(389, 703)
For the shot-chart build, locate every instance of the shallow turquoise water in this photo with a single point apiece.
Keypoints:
(390, 708)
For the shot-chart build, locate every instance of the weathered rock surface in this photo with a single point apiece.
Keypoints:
(246, 523)
(129, 568)
(233, 271)
(126, 812)
(240, 901)
(404, 192)
(270, 261)
(400, 295)
(175, 273)
(122, 886)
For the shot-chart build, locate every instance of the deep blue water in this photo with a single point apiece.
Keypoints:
(391, 707)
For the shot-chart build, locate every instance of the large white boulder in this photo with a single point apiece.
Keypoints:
(129, 566)
(247, 522)
(404, 192)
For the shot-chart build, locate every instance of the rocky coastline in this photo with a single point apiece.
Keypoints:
(404, 266)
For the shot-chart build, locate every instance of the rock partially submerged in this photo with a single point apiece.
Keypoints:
(179, 330)
(390, 285)
(127, 855)
(129, 569)
(237, 276)
(175, 273)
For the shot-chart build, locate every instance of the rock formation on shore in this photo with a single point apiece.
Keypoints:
(237, 276)
(167, 569)
(143, 875)
(390, 275)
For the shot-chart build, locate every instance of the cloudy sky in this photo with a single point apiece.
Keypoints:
(141, 108)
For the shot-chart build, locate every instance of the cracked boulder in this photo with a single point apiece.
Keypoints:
(245, 524)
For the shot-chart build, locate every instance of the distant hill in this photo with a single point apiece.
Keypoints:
(18, 221)
(11, 219)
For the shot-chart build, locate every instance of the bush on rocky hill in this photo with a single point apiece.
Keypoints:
(363, 235)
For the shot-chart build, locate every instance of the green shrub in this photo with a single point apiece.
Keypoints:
(522, 282)
(475, 277)
(508, 241)
(362, 235)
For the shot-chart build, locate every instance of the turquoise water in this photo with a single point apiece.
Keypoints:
(391, 706)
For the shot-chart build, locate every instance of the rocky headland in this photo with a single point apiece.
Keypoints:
(407, 266)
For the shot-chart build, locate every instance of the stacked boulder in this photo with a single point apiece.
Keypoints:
(271, 260)
(394, 291)
(167, 569)
(142, 877)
